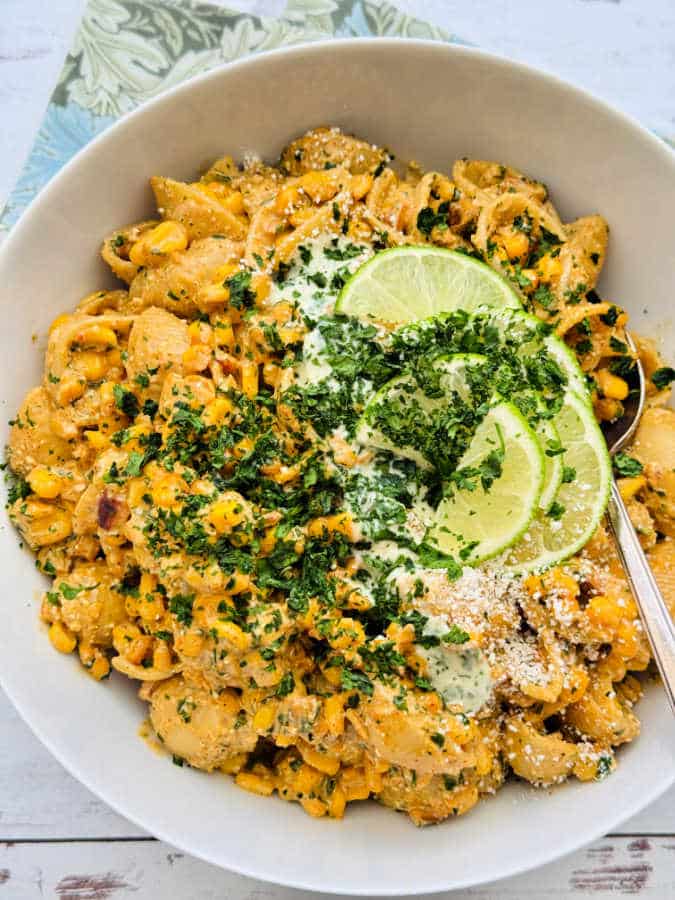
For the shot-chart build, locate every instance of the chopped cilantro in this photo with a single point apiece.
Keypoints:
(627, 466)
(126, 401)
(555, 511)
(662, 377)
(353, 680)
(181, 606)
(428, 219)
(604, 768)
(286, 685)
(242, 296)
(456, 635)
(569, 474)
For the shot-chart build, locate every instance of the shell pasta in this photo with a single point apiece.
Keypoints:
(190, 477)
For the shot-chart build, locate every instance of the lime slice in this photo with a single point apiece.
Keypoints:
(400, 416)
(553, 465)
(579, 503)
(561, 353)
(410, 283)
(477, 524)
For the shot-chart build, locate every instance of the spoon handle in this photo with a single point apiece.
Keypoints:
(653, 610)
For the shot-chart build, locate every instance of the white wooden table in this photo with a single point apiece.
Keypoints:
(57, 839)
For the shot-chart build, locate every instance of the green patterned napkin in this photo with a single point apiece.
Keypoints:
(127, 51)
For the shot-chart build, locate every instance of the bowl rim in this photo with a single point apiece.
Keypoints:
(539, 856)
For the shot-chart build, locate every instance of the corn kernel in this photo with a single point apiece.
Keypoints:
(262, 285)
(190, 644)
(200, 332)
(603, 611)
(292, 333)
(307, 780)
(136, 490)
(271, 374)
(627, 640)
(340, 523)
(123, 636)
(249, 378)
(282, 312)
(264, 717)
(444, 188)
(314, 807)
(347, 633)
(166, 490)
(213, 295)
(99, 336)
(153, 247)
(235, 203)
(320, 186)
(50, 524)
(549, 267)
(337, 803)
(47, 485)
(100, 668)
(232, 633)
(607, 409)
(226, 271)
(62, 638)
(91, 364)
(329, 765)
(354, 784)
(217, 411)
(97, 439)
(629, 487)
(333, 676)
(228, 512)
(237, 583)
(161, 656)
(360, 185)
(255, 783)
(234, 764)
(515, 244)
(148, 584)
(223, 333)
(70, 389)
(197, 358)
(334, 713)
(611, 385)
(106, 393)
(287, 199)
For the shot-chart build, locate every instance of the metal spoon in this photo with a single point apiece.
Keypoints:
(653, 610)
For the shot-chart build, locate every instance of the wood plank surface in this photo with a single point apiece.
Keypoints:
(146, 870)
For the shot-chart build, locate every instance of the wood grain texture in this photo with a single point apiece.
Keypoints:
(146, 870)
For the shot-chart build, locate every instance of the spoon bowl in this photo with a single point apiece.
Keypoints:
(654, 613)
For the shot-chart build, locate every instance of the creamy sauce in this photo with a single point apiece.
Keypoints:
(460, 675)
(304, 282)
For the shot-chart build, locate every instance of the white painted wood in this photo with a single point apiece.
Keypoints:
(620, 49)
(149, 870)
(38, 798)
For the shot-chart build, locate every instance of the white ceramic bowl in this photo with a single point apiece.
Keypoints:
(426, 101)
